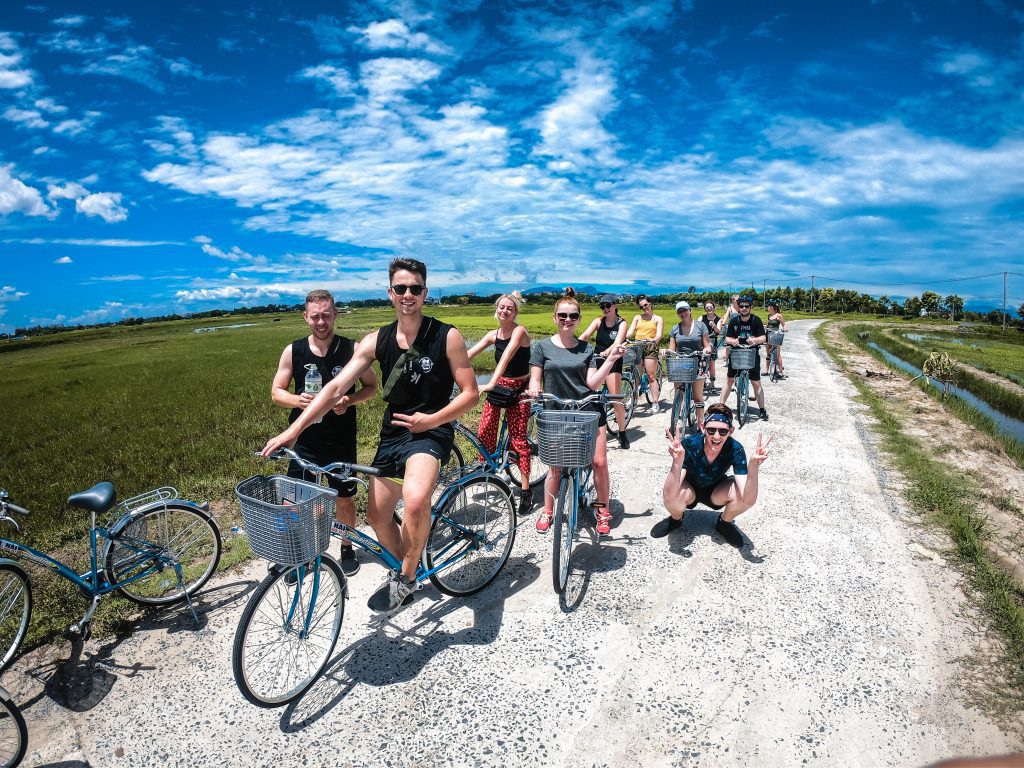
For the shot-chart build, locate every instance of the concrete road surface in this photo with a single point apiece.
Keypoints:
(825, 641)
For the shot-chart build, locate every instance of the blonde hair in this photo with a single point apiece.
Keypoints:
(515, 297)
(569, 297)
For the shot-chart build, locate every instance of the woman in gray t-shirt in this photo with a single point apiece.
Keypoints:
(566, 367)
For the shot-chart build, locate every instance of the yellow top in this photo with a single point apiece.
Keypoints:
(646, 329)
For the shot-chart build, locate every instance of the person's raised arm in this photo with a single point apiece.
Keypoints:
(632, 327)
(536, 385)
(595, 375)
(706, 341)
(515, 341)
(483, 344)
(362, 358)
(761, 338)
(659, 328)
(465, 380)
(591, 329)
(782, 322)
(366, 391)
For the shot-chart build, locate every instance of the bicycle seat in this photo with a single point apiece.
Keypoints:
(99, 498)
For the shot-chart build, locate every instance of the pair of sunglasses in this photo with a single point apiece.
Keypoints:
(606, 306)
(567, 315)
(723, 431)
(400, 289)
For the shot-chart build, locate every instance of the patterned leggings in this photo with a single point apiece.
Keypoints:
(518, 419)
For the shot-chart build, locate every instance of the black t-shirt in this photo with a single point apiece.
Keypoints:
(333, 430)
(424, 380)
(741, 329)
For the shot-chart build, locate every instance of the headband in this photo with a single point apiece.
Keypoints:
(717, 417)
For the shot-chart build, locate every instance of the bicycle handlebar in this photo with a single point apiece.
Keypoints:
(7, 504)
(547, 397)
(342, 470)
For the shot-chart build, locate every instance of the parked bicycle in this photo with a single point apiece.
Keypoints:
(634, 372)
(160, 549)
(567, 441)
(742, 359)
(775, 339)
(289, 627)
(13, 732)
(683, 370)
(502, 460)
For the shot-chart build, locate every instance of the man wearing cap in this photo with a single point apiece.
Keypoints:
(745, 330)
(700, 475)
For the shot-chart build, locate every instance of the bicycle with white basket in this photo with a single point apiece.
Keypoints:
(684, 368)
(289, 628)
(567, 439)
(742, 360)
(775, 339)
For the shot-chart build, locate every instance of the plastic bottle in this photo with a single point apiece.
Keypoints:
(313, 383)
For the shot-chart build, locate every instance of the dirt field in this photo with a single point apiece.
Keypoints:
(837, 636)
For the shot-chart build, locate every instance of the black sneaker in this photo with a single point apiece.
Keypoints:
(525, 500)
(729, 532)
(290, 572)
(623, 440)
(664, 527)
(396, 592)
(764, 414)
(349, 563)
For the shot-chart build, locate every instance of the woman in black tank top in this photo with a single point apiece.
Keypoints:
(512, 371)
(610, 330)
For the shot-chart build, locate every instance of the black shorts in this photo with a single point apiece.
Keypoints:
(704, 495)
(397, 444)
(324, 455)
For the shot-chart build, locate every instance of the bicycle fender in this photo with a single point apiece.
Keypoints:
(126, 519)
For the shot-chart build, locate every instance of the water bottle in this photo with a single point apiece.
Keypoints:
(313, 383)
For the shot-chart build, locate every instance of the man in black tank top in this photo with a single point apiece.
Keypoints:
(420, 359)
(333, 438)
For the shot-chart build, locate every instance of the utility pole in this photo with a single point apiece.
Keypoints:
(812, 294)
(764, 294)
(1004, 301)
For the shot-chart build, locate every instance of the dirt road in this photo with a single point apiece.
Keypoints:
(828, 640)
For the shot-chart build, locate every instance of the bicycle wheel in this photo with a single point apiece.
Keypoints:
(180, 533)
(662, 375)
(538, 469)
(742, 384)
(471, 537)
(773, 358)
(690, 411)
(274, 659)
(565, 525)
(609, 412)
(15, 609)
(677, 409)
(13, 733)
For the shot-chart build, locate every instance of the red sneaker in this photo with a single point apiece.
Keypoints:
(604, 522)
(544, 522)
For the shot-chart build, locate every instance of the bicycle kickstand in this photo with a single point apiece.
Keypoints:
(188, 597)
(81, 629)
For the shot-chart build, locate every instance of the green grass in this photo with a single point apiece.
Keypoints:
(963, 410)
(946, 498)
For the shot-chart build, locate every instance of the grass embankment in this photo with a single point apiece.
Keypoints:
(988, 348)
(963, 410)
(946, 498)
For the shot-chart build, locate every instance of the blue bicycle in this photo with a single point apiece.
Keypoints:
(289, 627)
(683, 370)
(635, 373)
(159, 550)
(567, 442)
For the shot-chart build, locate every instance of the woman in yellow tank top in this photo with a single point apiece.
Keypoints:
(648, 327)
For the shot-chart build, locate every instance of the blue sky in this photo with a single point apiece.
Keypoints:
(187, 157)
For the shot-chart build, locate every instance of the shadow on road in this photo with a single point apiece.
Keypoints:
(701, 522)
(83, 680)
(395, 655)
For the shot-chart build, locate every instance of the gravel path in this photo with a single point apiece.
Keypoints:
(827, 640)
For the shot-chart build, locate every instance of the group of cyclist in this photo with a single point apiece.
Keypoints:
(421, 359)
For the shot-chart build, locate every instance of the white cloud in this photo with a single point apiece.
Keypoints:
(337, 77)
(105, 205)
(241, 294)
(30, 118)
(10, 293)
(7, 42)
(202, 239)
(70, 21)
(69, 191)
(63, 260)
(92, 243)
(18, 197)
(571, 128)
(118, 278)
(51, 106)
(236, 254)
(395, 35)
(386, 79)
(11, 76)
(76, 126)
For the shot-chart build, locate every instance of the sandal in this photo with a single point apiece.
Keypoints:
(544, 521)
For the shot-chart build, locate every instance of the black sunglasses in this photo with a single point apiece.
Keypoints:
(567, 315)
(606, 306)
(744, 306)
(723, 431)
(400, 289)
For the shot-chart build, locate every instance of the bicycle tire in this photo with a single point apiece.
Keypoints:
(564, 525)
(479, 547)
(691, 412)
(628, 398)
(271, 661)
(15, 609)
(677, 406)
(538, 469)
(184, 533)
(662, 375)
(13, 732)
(741, 398)
(773, 357)
(609, 413)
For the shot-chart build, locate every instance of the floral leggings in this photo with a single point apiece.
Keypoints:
(518, 419)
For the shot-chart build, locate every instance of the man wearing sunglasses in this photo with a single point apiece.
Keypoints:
(420, 359)
(700, 475)
(746, 330)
